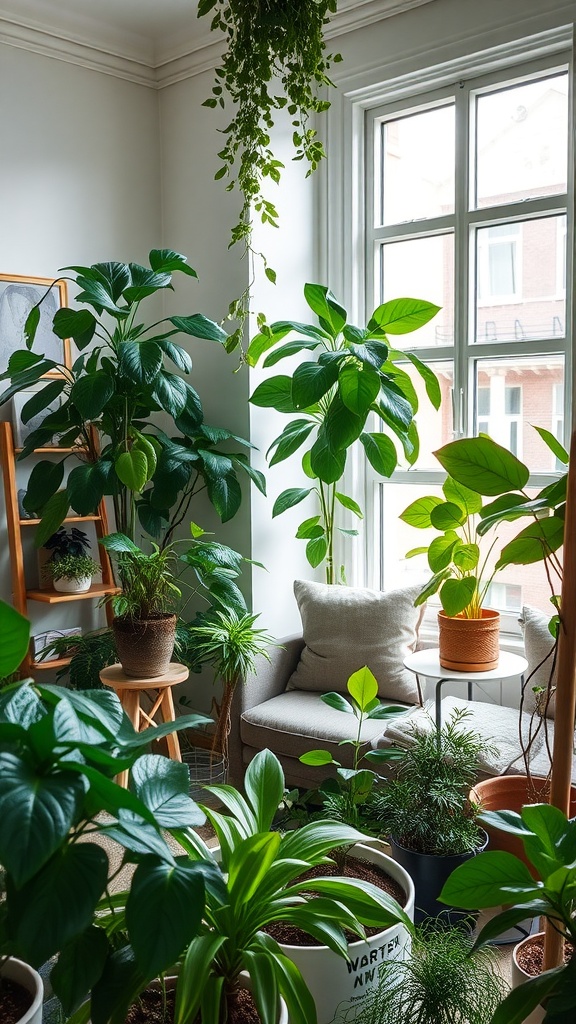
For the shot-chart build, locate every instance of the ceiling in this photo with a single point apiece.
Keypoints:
(148, 32)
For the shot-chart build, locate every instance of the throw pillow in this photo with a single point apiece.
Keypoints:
(345, 628)
(538, 647)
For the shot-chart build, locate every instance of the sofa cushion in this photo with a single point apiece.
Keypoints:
(299, 721)
(538, 647)
(345, 628)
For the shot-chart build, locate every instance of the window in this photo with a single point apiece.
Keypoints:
(466, 205)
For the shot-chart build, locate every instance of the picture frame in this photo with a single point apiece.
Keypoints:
(20, 429)
(18, 294)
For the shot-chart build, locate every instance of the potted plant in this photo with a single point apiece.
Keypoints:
(425, 810)
(230, 643)
(107, 400)
(262, 870)
(443, 980)
(275, 59)
(72, 574)
(348, 797)
(495, 878)
(335, 396)
(144, 626)
(59, 753)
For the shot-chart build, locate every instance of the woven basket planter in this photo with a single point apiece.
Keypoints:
(145, 646)
(469, 645)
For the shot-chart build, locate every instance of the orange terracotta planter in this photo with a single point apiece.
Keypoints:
(469, 645)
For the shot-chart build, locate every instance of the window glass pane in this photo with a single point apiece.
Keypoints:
(422, 268)
(520, 273)
(522, 141)
(417, 178)
(523, 392)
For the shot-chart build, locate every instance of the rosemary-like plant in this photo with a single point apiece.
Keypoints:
(147, 580)
(71, 567)
(426, 808)
(275, 58)
(441, 982)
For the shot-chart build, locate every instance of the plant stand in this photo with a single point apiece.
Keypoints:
(158, 689)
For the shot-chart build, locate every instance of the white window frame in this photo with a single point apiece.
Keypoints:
(345, 249)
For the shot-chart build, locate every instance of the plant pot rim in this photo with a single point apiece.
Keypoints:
(404, 880)
(443, 856)
(36, 987)
(487, 613)
(133, 620)
(527, 941)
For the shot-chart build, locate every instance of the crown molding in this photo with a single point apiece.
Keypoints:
(130, 56)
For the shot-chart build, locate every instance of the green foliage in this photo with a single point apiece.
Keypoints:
(60, 751)
(113, 389)
(71, 567)
(426, 808)
(66, 542)
(495, 878)
(275, 59)
(348, 797)
(15, 632)
(442, 982)
(261, 883)
(147, 580)
(354, 377)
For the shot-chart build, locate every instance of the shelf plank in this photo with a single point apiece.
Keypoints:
(69, 519)
(37, 666)
(55, 597)
(54, 450)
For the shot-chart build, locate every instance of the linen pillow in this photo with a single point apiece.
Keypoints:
(538, 646)
(345, 628)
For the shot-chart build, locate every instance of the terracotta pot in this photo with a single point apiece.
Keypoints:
(519, 977)
(339, 989)
(28, 978)
(510, 793)
(469, 645)
(145, 646)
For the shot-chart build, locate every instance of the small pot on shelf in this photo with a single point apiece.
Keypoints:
(469, 644)
(71, 574)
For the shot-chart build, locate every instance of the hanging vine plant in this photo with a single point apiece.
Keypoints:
(275, 58)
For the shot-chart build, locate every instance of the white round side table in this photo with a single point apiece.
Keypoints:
(427, 663)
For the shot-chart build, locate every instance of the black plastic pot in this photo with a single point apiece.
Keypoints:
(429, 872)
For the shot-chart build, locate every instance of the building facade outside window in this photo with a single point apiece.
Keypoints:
(467, 196)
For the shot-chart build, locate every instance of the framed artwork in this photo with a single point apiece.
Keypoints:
(21, 429)
(17, 297)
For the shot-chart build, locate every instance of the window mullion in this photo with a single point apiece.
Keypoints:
(462, 281)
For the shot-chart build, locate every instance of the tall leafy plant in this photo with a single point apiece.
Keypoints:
(275, 59)
(107, 401)
(355, 376)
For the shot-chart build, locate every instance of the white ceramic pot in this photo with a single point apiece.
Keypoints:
(79, 586)
(340, 988)
(18, 971)
(519, 977)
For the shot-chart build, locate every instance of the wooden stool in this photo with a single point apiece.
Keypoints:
(158, 689)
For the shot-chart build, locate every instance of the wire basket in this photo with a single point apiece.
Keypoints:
(206, 768)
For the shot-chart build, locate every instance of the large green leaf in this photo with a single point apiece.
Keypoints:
(327, 463)
(554, 445)
(85, 487)
(419, 512)
(447, 516)
(467, 557)
(456, 595)
(163, 786)
(430, 379)
(401, 316)
(290, 349)
(91, 393)
(331, 314)
(42, 399)
(164, 912)
(316, 758)
(274, 393)
(457, 494)
(380, 452)
(79, 324)
(199, 326)
(534, 543)
(301, 1006)
(290, 497)
(519, 1003)
(488, 880)
(53, 515)
(371, 353)
(196, 970)
(171, 393)
(363, 687)
(74, 878)
(225, 494)
(144, 282)
(264, 786)
(96, 293)
(440, 551)
(311, 381)
(24, 378)
(349, 503)
(132, 469)
(15, 630)
(483, 466)
(121, 981)
(264, 982)
(341, 426)
(79, 966)
(167, 261)
(114, 276)
(359, 387)
(249, 865)
(140, 361)
(177, 354)
(395, 405)
(44, 481)
(316, 550)
(36, 811)
(291, 438)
